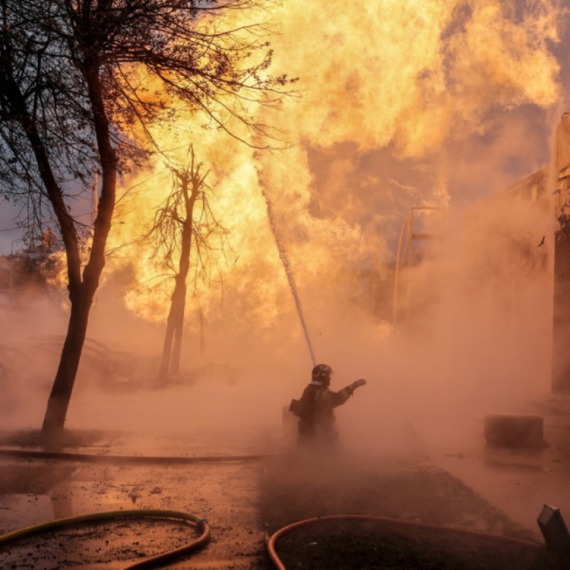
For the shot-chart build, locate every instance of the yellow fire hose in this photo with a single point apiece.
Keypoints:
(154, 561)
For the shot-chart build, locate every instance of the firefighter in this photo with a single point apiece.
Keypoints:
(315, 408)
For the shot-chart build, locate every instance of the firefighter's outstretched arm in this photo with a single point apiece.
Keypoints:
(340, 397)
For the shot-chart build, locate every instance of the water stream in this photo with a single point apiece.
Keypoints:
(288, 270)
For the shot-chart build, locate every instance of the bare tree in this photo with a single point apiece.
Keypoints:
(79, 75)
(183, 224)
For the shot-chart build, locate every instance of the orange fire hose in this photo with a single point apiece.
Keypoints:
(285, 530)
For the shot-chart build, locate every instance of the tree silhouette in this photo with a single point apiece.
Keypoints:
(80, 80)
(183, 224)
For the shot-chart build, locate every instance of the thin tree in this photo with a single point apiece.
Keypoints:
(183, 224)
(78, 75)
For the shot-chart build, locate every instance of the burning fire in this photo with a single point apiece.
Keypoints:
(405, 75)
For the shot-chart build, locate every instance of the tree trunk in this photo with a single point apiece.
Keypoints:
(165, 362)
(178, 331)
(82, 288)
(170, 361)
(81, 297)
(63, 383)
(202, 332)
(60, 395)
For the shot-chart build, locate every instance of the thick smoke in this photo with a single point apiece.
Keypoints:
(398, 105)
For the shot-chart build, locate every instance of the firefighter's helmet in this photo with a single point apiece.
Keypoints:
(322, 373)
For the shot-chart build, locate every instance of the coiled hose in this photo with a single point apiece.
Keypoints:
(152, 562)
(285, 530)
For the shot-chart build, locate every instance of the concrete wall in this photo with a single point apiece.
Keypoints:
(561, 314)
(561, 298)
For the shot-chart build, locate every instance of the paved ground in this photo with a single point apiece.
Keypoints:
(518, 483)
(33, 492)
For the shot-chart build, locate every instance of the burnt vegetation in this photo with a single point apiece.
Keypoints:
(82, 81)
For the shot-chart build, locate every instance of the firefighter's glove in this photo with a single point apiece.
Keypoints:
(358, 383)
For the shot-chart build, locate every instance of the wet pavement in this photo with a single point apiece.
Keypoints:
(37, 491)
(517, 481)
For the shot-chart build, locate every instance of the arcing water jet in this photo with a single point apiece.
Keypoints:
(287, 267)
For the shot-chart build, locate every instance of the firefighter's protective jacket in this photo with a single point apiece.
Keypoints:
(316, 408)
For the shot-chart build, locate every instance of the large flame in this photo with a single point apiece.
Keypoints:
(407, 75)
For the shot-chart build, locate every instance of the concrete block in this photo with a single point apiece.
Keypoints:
(514, 431)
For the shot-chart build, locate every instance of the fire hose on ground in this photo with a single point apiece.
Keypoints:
(271, 541)
(152, 562)
(155, 561)
(130, 459)
(200, 523)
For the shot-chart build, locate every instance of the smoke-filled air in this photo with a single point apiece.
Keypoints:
(318, 250)
(298, 254)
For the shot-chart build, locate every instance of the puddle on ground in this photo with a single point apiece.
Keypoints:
(225, 494)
